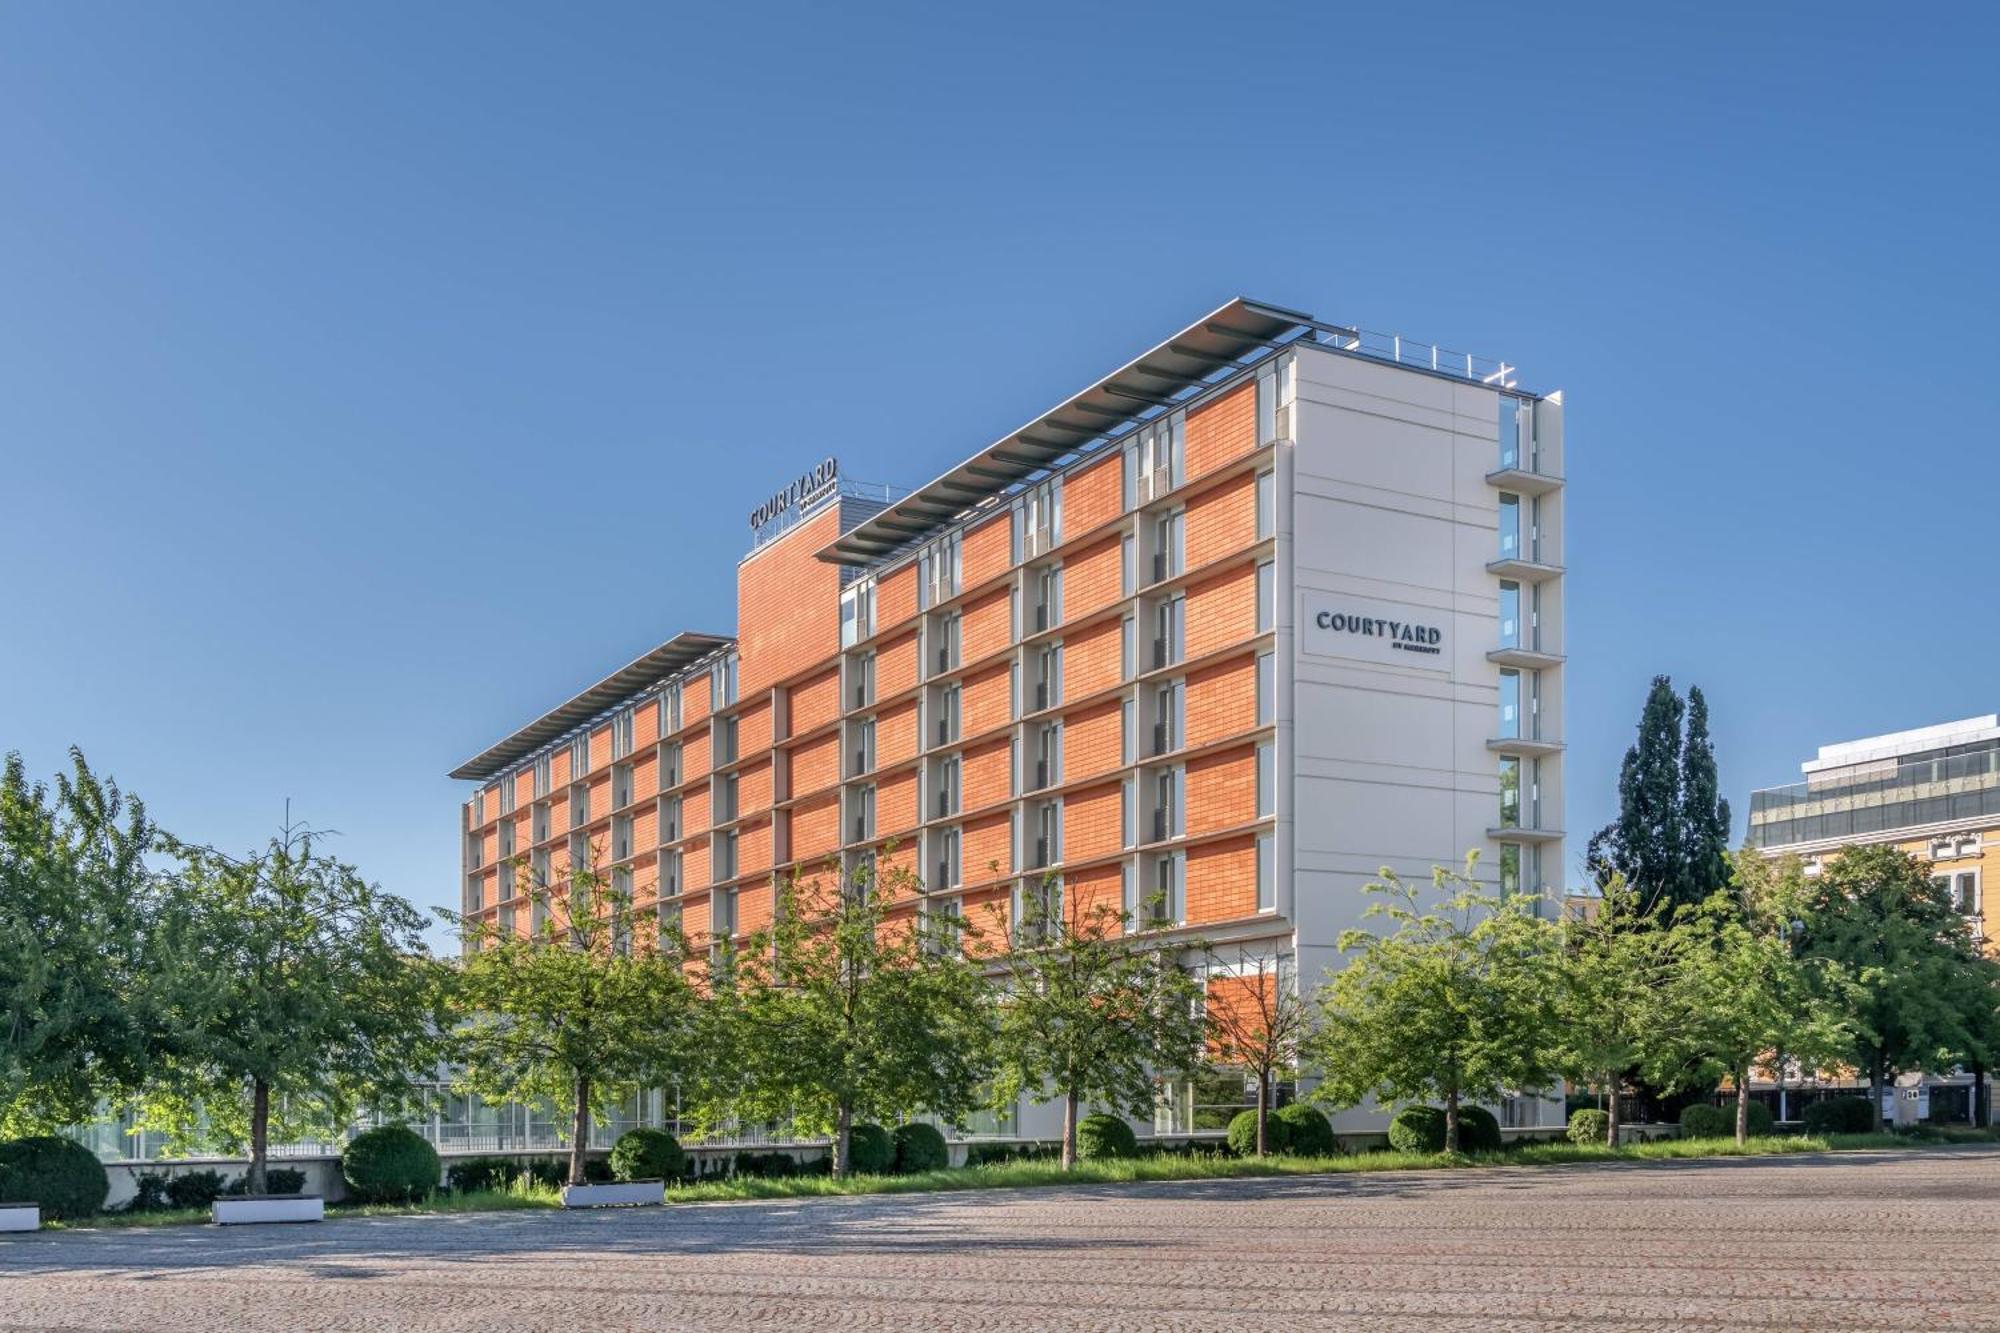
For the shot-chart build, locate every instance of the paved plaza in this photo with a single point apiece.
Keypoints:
(1878, 1241)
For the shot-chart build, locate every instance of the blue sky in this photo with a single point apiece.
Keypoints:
(363, 368)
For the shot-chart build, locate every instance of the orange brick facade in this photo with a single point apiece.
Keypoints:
(951, 729)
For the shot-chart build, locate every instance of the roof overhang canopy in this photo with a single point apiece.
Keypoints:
(676, 654)
(1205, 350)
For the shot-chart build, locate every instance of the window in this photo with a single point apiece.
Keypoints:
(543, 768)
(670, 876)
(1510, 614)
(1267, 596)
(579, 806)
(864, 814)
(1048, 755)
(1169, 545)
(1048, 685)
(725, 741)
(1169, 717)
(579, 757)
(1267, 687)
(1037, 908)
(670, 765)
(864, 747)
(621, 733)
(1128, 889)
(1048, 598)
(1510, 705)
(950, 864)
(857, 612)
(1266, 781)
(670, 710)
(1510, 793)
(1516, 425)
(725, 856)
(938, 571)
(861, 680)
(478, 808)
(670, 924)
(1128, 813)
(621, 786)
(725, 798)
(1510, 527)
(1167, 904)
(1267, 896)
(722, 912)
(1127, 741)
(541, 822)
(538, 871)
(1038, 519)
(1169, 624)
(670, 819)
(1127, 645)
(1267, 504)
(506, 838)
(947, 792)
(1963, 888)
(948, 715)
(508, 787)
(1510, 869)
(1047, 850)
(1128, 565)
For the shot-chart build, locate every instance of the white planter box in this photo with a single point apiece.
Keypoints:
(20, 1217)
(624, 1194)
(270, 1208)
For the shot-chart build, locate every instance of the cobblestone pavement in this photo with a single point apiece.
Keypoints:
(1879, 1241)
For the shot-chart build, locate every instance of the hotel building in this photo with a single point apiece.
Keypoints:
(1933, 792)
(1275, 604)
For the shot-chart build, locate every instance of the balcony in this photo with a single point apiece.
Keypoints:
(1526, 659)
(1519, 834)
(1523, 571)
(1526, 747)
(1523, 482)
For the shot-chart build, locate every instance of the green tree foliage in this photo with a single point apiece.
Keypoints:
(579, 1012)
(60, 1174)
(77, 1013)
(1737, 994)
(1921, 992)
(1608, 997)
(854, 1004)
(301, 992)
(1092, 1010)
(1672, 830)
(1454, 1003)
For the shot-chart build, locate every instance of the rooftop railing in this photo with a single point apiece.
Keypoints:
(1911, 794)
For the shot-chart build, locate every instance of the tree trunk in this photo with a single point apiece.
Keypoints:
(1451, 1121)
(1978, 1093)
(1263, 1109)
(1611, 1113)
(1069, 1130)
(579, 1129)
(260, 1135)
(1742, 1105)
(843, 1142)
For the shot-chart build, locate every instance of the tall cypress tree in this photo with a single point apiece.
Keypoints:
(1644, 843)
(1704, 815)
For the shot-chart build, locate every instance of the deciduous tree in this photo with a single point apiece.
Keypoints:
(1454, 1002)
(856, 1005)
(1093, 1009)
(587, 1006)
(300, 993)
(1257, 1021)
(1608, 999)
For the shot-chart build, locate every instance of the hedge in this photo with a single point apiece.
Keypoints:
(1589, 1126)
(870, 1151)
(1761, 1121)
(919, 1147)
(1842, 1115)
(1102, 1136)
(390, 1164)
(1307, 1131)
(647, 1154)
(60, 1174)
(196, 1189)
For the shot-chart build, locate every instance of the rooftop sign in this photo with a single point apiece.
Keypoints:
(801, 490)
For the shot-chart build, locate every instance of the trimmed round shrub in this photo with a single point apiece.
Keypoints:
(390, 1164)
(1478, 1131)
(1243, 1134)
(60, 1174)
(1418, 1129)
(1588, 1127)
(1842, 1115)
(1308, 1133)
(1702, 1121)
(283, 1180)
(1761, 1121)
(919, 1147)
(647, 1154)
(1101, 1136)
(870, 1150)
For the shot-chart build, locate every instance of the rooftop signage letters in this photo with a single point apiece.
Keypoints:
(801, 490)
(1359, 627)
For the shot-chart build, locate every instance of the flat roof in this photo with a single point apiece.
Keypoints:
(1205, 350)
(1895, 744)
(675, 655)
